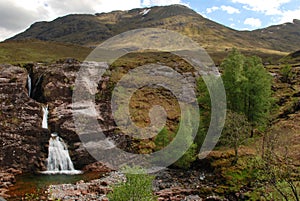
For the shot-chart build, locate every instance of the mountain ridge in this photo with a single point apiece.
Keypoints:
(91, 30)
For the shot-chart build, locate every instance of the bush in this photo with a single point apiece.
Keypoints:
(188, 158)
(138, 187)
(287, 74)
(162, 139)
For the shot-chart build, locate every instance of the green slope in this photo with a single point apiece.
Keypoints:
(39, 51)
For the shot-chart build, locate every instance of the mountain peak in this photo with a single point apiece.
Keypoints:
(296, 21)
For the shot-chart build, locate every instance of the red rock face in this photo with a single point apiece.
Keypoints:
(21, 137)
(23, 143)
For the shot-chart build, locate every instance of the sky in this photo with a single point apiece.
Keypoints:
(17, 15)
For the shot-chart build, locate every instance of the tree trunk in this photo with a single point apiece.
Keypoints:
(236, 155)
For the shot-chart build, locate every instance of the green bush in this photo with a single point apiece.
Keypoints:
(138, 187)
(162, 139)
(188, 158)
(287, 73)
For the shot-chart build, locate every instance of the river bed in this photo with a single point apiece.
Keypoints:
(38, 183)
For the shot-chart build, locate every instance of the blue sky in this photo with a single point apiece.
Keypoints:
(247, 14)
(17, 15)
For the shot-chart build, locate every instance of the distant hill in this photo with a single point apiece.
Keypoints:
(90, 30)
(39, 51)
(292, 58)
(283, 37)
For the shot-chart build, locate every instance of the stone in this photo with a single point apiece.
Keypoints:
(97, 167)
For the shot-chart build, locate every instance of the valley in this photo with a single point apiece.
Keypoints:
(50, 55)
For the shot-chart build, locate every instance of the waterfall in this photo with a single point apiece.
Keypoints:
(45, 117)
(29, 82)
(59, 161)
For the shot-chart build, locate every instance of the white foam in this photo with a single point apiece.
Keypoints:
(67, 172)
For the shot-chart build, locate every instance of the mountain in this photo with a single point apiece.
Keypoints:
(90, 30)
(283, 37)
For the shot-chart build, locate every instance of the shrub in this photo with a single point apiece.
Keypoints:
(138, 187)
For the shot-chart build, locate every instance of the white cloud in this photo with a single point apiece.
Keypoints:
(86, 6)
(212, 9)
(268, 7)
(253, 22)
(162, 2)
(17, 15)
(289, 15)
(230, 9)
(5, 33)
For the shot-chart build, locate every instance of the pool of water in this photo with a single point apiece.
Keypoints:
(38, 183)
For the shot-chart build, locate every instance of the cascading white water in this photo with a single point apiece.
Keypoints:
(59, 161)
(29, 84)
(45, 117)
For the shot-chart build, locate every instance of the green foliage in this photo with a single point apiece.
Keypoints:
(31, 196)
(185, 140)
(248, 87)
(236, 179)
(276, 169)
(188, 157)
(287, 73)
(286, 192)
(138, 187)
(162, 139)
(204, 102)
(233, 77)
(275, 181)
(27, 51)
(235, 131)
(239, 176)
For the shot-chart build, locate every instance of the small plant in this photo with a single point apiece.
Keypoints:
(31, 196)
(162, 139)
(138, 187)
(287, 74)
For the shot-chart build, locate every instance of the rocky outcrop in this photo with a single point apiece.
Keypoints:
(58, 86)
(24, 144)
(21, 138)
(97, 167)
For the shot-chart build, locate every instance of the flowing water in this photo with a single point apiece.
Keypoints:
(29, 83)
(45, 117)
(59, 161)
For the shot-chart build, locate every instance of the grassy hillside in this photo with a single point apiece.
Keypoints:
(292, 58)
(39, 51)
(283, 37)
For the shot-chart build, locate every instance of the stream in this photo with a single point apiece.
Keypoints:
(37, 183)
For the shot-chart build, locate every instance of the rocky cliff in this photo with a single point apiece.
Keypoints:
(24, 144)
(22, 138)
